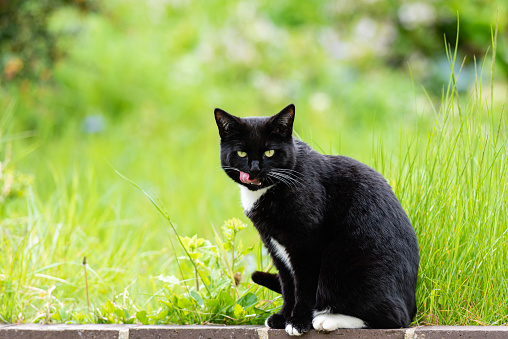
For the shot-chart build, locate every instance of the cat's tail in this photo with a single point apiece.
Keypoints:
(268, 280)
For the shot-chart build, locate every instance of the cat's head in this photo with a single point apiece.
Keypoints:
(257, 152)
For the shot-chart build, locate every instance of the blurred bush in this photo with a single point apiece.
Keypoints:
(27, 48)
(398, 33)
(367, 31)
(165, 60)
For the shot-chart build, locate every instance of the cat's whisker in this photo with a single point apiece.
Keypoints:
(298, 180)
(295, 182)
(288, 178)
(270, 180)
(229, 168)
(290, 182)
(291, 173)
(287, 170)
(284, 181)
(275, 176)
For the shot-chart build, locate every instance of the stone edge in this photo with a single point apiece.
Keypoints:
(13, 331)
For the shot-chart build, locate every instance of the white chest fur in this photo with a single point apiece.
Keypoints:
(249, 198)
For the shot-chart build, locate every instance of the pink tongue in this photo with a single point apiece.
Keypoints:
(244, 177)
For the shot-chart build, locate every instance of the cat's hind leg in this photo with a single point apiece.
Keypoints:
(326, 321)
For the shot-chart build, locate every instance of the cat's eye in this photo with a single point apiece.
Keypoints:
(269, 153)
(241, 154)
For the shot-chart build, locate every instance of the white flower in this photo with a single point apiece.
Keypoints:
(416, 14)
(320, 101)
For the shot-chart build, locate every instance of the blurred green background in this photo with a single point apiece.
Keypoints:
(89, 85)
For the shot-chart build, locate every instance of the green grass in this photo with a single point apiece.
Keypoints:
(167, 258)
(452, 182)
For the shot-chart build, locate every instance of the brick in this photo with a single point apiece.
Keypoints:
(194, 332)
(62, 331)
(462, 332)
(343, 334)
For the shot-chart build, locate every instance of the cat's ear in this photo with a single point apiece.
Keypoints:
(282, 122)
(226, 122)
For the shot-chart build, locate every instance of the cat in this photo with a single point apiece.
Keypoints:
(346, 253)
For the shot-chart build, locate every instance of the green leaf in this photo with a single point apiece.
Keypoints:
(226, 298)
(238, 311)
(213, 305)
(163, 314)
(121, 313)
(57, 316)
(183, 302)
(142, 317)
(196, 296)
(109, 307)
(247, 300)
(195, 255)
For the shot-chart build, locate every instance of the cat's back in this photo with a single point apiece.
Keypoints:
(346, 170)
(362, 202)
(350, 186)
(349, 179)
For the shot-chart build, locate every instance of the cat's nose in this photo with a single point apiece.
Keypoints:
(254, 167)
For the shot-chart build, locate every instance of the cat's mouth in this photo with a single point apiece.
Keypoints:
(245, 178)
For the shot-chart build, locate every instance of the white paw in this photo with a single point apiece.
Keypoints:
(266, 323)
(331, 322)
(292, 331)
(318, 321)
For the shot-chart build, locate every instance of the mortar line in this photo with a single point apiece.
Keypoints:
(123, 334)
(263, 332)
(410, 333)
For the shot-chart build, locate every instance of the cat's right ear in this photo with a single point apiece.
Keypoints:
(226, 122)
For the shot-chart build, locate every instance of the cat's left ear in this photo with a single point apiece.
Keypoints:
(226, 122)
(282, 122)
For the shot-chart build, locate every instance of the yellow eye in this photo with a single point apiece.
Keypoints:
(269, 153)
(241, 154)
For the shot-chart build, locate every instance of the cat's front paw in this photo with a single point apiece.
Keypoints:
(292, 330)
(296, 327)
(276, 321)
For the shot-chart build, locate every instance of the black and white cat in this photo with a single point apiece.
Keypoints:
(345, 250)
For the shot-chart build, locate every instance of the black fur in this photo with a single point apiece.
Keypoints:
(351, 246)
(267, 280)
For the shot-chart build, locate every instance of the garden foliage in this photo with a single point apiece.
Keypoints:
(93, 94)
